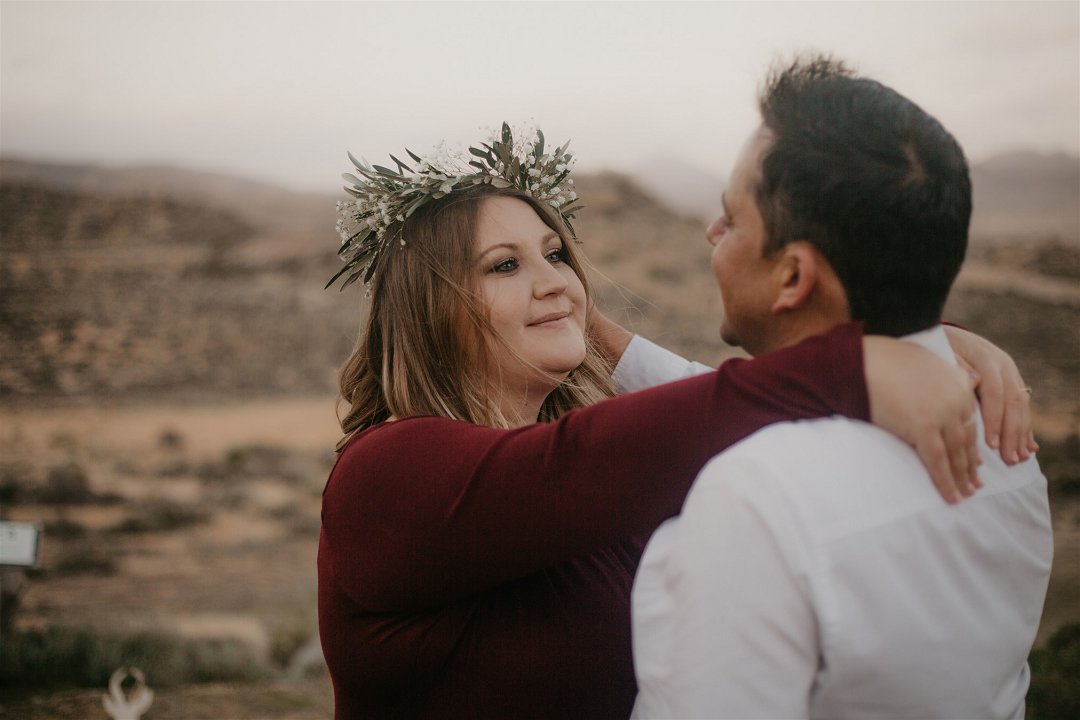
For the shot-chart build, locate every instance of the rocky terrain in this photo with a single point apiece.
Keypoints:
(166, 408)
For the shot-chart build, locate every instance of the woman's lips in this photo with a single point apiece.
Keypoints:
(550, 320)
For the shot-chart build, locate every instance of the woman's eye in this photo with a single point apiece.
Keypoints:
(556, 256)
(505, 266)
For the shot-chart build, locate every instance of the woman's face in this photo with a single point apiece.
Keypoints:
(535, 300)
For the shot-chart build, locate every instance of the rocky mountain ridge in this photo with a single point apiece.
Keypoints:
(113, 287)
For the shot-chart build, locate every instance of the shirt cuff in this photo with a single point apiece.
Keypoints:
(645, 364)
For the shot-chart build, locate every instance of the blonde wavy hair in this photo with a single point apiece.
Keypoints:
(417, 350)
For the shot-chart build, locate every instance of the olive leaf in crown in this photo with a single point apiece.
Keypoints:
(384, 198)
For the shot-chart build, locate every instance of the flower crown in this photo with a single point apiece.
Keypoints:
(384, 197)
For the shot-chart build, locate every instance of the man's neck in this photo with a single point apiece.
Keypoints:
(795, 330)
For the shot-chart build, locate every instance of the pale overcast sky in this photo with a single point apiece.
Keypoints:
(281, 90)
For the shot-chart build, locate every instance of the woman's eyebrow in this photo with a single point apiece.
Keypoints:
(496, 246)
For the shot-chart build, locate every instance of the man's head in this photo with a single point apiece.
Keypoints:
(853, 184)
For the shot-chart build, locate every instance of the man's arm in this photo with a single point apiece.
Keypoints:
(723, 622)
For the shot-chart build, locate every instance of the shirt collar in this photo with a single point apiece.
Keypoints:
(934, 340)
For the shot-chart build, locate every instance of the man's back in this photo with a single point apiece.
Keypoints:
(815, 571)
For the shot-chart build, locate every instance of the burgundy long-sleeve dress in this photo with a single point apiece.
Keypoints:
(470, 572)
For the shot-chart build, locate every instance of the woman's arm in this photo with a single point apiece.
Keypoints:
(422, 511)
(903, 404)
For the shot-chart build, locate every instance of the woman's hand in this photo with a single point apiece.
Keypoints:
(1004, 398)
(610, 337)
(929, 404)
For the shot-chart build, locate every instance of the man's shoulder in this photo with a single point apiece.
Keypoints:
(824, 472)
(808, 450)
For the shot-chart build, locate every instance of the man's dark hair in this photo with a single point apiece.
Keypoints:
(878, 186)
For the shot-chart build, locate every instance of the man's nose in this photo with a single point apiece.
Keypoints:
(714, 231)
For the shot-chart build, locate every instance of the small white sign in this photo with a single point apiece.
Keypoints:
(19, 543)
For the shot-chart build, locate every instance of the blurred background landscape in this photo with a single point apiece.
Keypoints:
(168, 353)
(167, 405)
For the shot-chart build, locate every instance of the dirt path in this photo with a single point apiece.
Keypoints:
(304, 423)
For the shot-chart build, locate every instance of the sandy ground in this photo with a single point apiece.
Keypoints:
(251, 561)
(304, 423)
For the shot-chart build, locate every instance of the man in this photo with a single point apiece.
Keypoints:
(814, 572)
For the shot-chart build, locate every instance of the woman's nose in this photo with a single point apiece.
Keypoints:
(549, 281)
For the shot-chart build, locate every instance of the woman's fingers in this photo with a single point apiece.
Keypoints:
(1003, 396)
(992, 403)
(929, 403)
(961, 442)
(1016, 426)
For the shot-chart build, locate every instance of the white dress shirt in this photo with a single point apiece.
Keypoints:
(816, 572)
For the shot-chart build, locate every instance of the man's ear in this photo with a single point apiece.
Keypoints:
(796, 274)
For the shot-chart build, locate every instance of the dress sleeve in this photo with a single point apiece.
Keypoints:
(423, 511)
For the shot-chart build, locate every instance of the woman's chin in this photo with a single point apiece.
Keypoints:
(563, 368)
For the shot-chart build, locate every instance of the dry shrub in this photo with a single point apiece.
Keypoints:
(85, 657)
(67, 484)
(160, 515)
(84, 558)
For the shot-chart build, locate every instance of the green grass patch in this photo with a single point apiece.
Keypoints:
(83, 657)
(1055, 677)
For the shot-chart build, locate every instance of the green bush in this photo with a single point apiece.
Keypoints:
(1055, 677)
(83, 657)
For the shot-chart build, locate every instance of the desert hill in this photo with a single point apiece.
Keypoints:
(1026, 195)
(264, 205)
(165, 283)
(167, 361)
(135, 291)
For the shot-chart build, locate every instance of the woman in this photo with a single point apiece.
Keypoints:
(474, 562)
